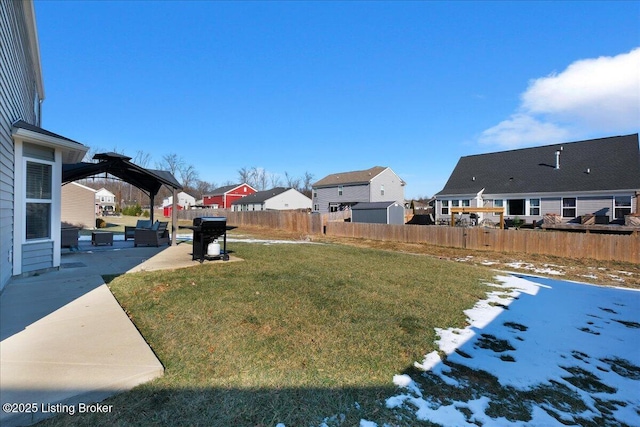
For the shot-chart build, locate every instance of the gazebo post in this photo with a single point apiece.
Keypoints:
(152, 196)
(174, 217)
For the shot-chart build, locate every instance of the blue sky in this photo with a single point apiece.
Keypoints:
(327, 87)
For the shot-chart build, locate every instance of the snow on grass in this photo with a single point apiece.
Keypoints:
(537, 352)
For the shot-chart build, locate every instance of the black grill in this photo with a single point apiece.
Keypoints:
(206, 229)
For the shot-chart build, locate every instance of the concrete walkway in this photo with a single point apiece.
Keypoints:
(65, 340)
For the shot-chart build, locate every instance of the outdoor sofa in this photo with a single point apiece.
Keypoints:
(155, 236)
(129, 231)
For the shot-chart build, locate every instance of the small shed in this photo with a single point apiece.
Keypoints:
(378, 213)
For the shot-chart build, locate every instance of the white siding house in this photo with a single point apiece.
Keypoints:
(105, 201)
(30, 157)
(278, 198)
(341, 190)
(185, 201)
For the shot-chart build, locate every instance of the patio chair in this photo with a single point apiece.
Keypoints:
(129, 231)
(155, 236)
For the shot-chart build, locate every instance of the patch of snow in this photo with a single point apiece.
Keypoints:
(553, 327)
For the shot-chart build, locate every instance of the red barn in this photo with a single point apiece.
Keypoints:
(221, 198)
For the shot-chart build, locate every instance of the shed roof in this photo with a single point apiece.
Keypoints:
(360, 206)
(593, 165)
(354, 177)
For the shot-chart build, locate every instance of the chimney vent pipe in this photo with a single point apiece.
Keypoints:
(558, 159)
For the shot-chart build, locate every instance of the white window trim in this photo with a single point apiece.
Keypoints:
(19, 206)
(26, 200)
(562, 207)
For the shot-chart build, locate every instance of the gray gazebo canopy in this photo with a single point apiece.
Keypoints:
(148, 180)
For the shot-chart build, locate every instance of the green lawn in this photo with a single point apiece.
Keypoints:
(294, 334)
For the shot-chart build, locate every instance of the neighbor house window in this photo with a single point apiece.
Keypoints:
(339, 190)
(499, 203)
(569, 207)
(534, 207)
(465, 203)
(445, 207)
(382, 190)
(622, 205)
(38, 200)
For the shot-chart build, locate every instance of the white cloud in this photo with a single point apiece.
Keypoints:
(592, 96)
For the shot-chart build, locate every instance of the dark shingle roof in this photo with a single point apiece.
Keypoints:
(222, 190)
(597, 164)
(355, 177)
(27, 126)
(260, 196)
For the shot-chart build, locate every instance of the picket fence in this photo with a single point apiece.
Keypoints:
(606, 247)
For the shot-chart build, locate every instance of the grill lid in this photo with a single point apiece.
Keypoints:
(210, 220)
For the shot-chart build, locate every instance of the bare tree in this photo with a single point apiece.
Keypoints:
(307, 183)
(244, 175)
(142, 159)
(172, 163)
(189, 176)
(275, 180)
(291, 181)
(259, 178)
(204, 187)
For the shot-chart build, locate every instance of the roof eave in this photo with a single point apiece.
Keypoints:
(72, 152)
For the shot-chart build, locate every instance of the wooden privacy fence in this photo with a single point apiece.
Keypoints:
(555, 243)
(294, 221)
(605, 247)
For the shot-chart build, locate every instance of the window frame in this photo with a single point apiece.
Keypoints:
(535, 207)
(444, 207)
(498, 203)
(625, 207)
(574, 207)
(34, 201)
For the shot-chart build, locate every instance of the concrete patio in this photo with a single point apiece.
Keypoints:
(65, 341)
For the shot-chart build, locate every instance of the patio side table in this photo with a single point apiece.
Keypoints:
(102, 238)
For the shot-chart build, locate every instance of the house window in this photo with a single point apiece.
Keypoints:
(622, 206)
(339, 190)
(445, 207)
(499, 203)
(38, 200)
(569, 207)
(466, 203)
(515, 207)
(534, 207)
(382, 190)
(315, 194)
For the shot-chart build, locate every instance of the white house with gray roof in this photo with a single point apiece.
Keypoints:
(278, 198)
(598, 176)
(342, 190)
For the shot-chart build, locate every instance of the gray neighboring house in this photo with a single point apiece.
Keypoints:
(597, 176)
(278, 198)
(31, 158)
(378, 213)
(340, 191)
